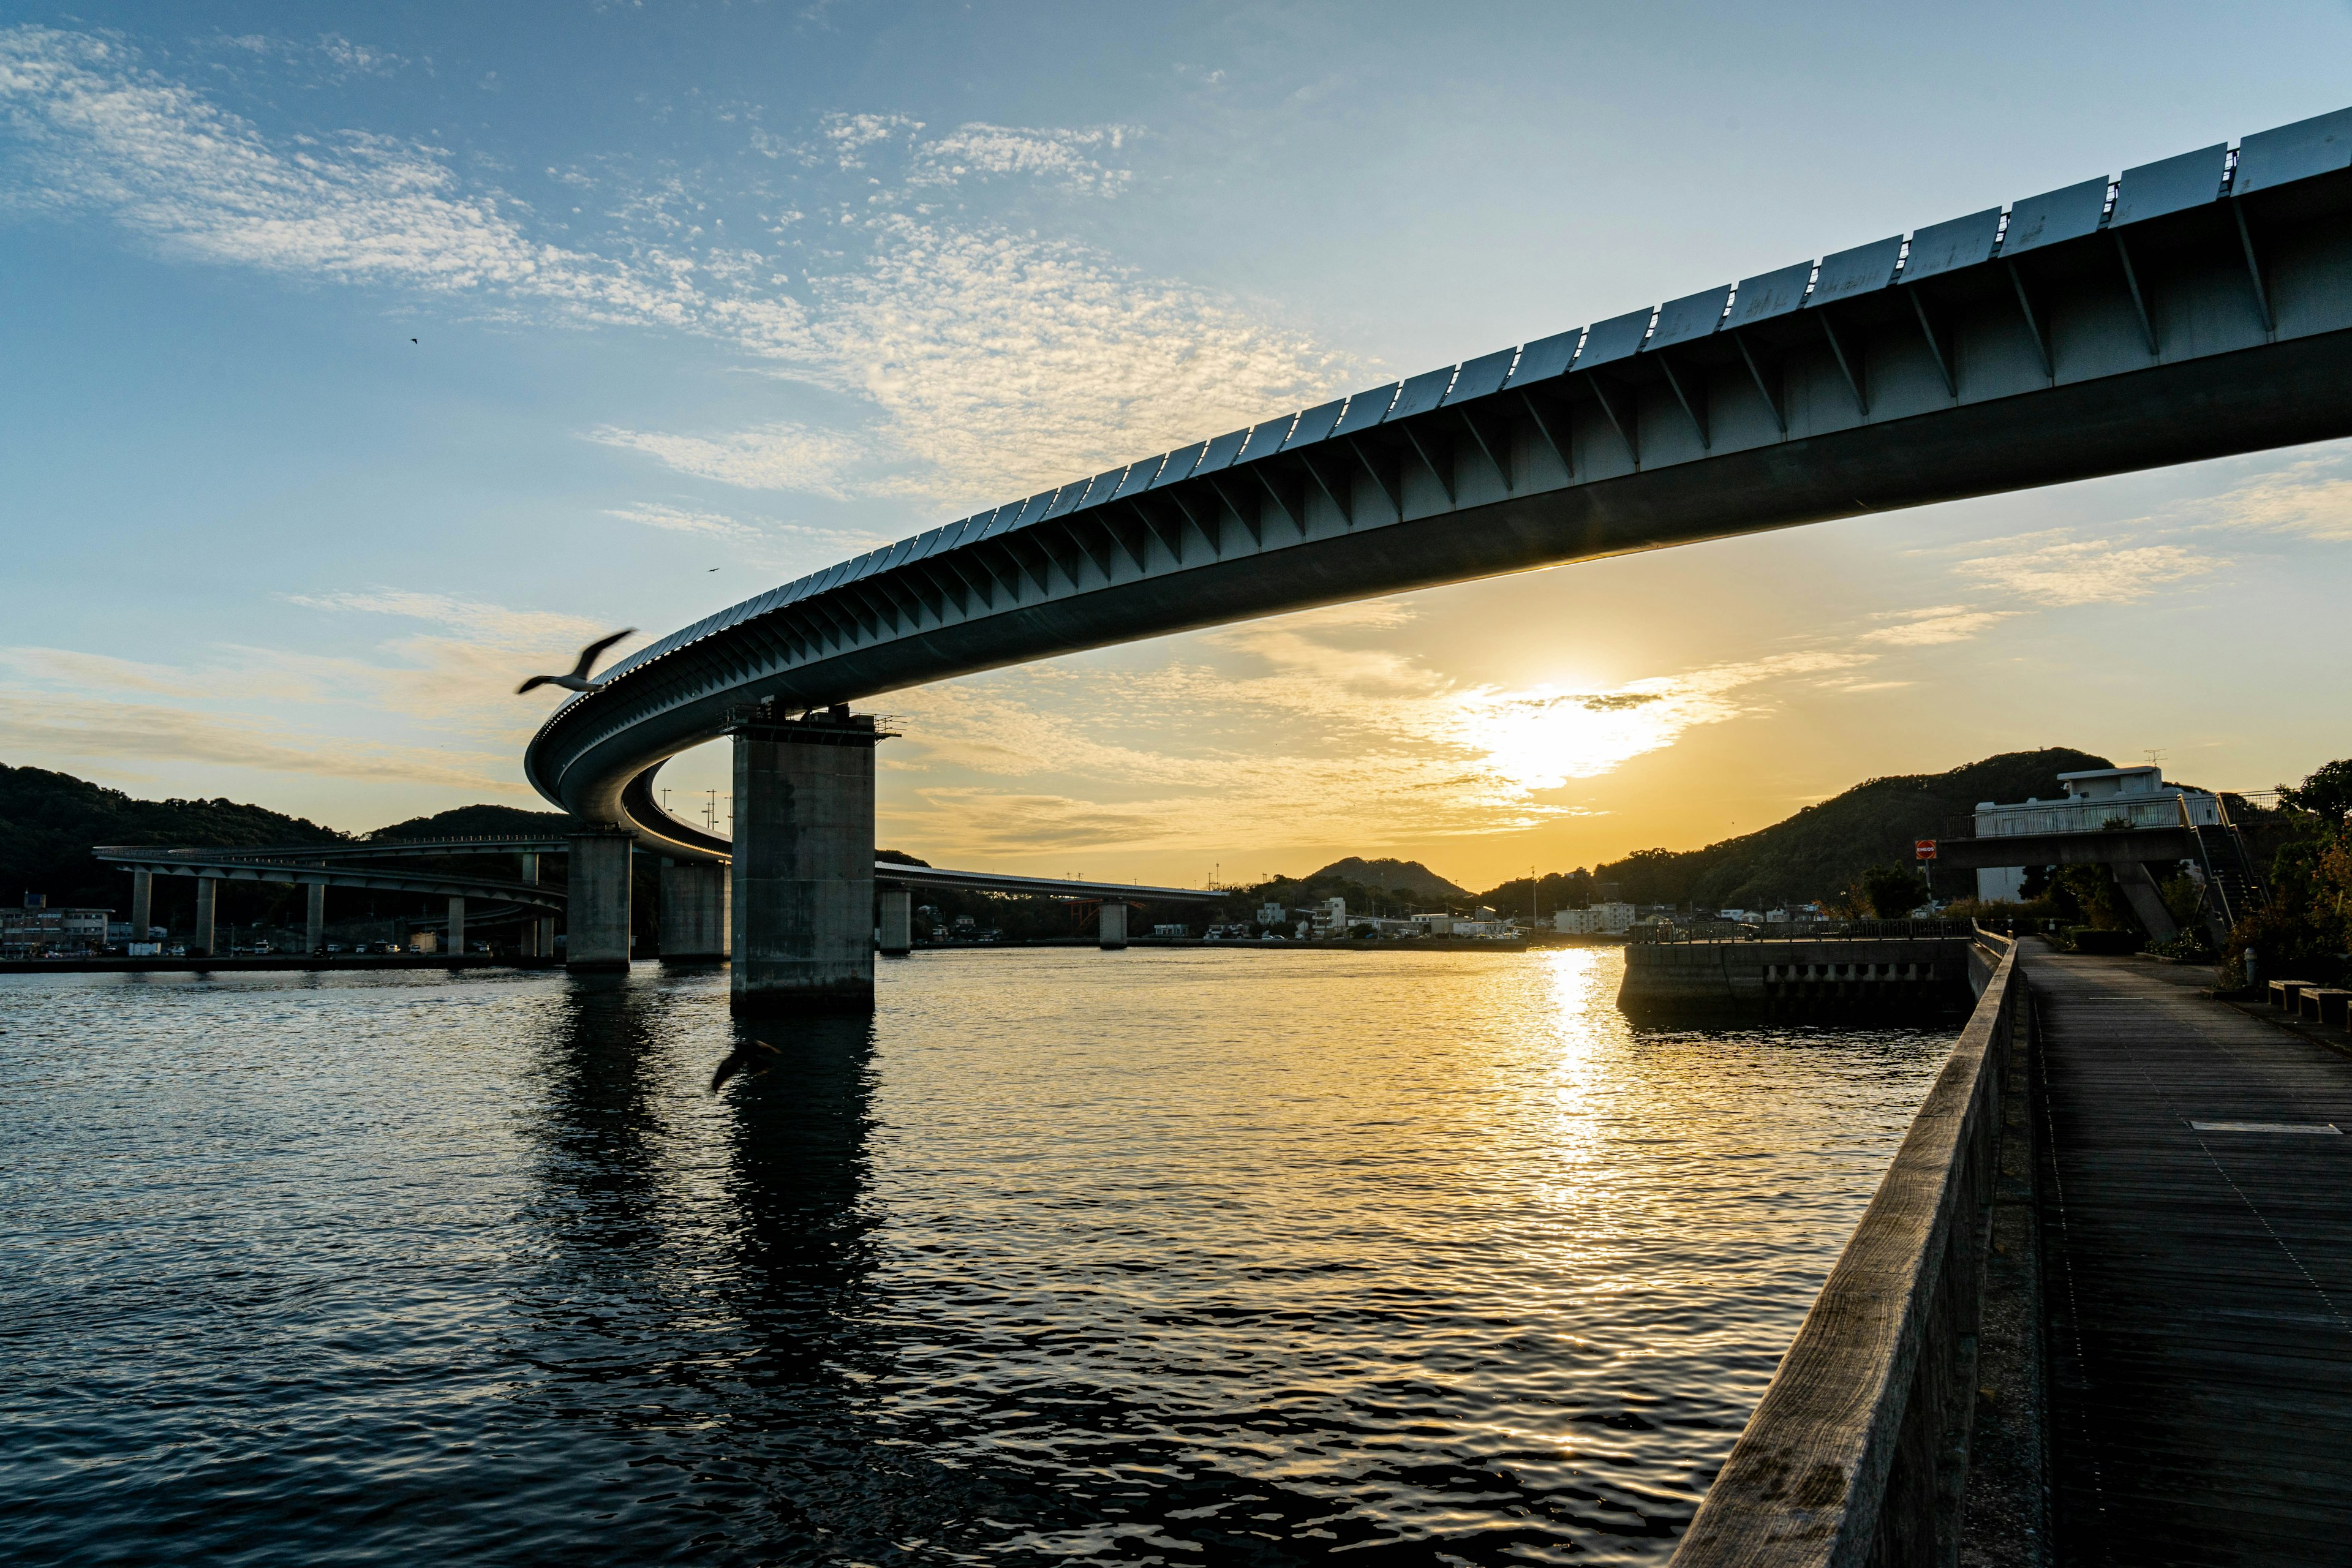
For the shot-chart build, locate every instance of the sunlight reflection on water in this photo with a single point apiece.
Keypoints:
(1172, 1256)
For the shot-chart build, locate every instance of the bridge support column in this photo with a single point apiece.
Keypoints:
(457, 926)
(200, 945)
(314, 922)
(804, 865)
(1110, 928)
(694, 913)
(2146, 900)
(143, 904)
(895, 937)
(596, 908)
(534, 938)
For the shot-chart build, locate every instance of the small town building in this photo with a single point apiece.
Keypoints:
(1597, 920)
(38, 930)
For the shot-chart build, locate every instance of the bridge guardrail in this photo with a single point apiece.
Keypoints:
(1856, 1453)
(1803, 930)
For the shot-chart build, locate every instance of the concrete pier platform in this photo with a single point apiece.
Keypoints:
(2197, 1232)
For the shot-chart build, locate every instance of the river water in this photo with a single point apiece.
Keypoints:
(1185, 1256)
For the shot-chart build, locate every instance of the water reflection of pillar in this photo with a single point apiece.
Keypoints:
(601, 1141)
(799, 1169)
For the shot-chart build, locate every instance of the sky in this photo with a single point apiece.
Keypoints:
(359, 361)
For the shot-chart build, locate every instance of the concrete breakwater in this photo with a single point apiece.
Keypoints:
(1826, 978)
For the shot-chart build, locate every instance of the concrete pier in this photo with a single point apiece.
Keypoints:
(143, 904)
(314, 918)
(596, 911)
(457, 924)
(804, 864)
(1110, 928)
(1825, 977)
(694, 913)
(895, 925)
(536, 938)
(200, 945)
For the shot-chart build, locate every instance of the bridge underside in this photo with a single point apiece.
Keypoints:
(2281, 394)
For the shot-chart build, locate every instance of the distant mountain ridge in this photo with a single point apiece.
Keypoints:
(1410, 875)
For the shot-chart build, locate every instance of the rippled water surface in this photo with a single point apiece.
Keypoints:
(1163, 1256)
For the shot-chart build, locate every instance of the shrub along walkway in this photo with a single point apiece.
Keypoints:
(2197, 1278)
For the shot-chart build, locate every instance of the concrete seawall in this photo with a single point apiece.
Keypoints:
(1823, 978)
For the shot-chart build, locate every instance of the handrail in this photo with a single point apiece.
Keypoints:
(1839, 1463)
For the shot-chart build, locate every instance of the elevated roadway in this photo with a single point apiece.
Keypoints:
(2194, 307)
(2190, 307)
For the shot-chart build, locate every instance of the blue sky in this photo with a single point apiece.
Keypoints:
(708, 296)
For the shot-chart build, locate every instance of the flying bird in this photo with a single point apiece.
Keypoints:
(578, 679)
(751, 1058)
(412, 340)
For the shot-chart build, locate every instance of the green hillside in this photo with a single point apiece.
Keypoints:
(1823, 848)
(467, 821)
(49, 821)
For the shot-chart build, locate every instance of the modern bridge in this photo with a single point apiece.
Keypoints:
(2190, 307)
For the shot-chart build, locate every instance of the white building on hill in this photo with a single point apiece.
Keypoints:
(2135, 797)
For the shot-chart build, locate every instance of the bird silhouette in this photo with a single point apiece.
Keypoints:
(751, 1058)
(578, 679)
(412, 340)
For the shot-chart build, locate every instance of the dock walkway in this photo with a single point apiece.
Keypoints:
(2198, 1281)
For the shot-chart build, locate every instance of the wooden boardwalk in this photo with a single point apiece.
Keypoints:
(2198, 1283)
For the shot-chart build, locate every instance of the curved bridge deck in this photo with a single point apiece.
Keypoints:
(2195, 307)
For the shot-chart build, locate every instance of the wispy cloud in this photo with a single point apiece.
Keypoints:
(1065, 159)
(2311, 499)
(1297, 733)
(985, 360)
(1941, 624)
(2058, 570)
(51, 725)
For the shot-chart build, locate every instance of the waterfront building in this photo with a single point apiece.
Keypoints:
(2094, 799)
(1597, 920)
(38, 929)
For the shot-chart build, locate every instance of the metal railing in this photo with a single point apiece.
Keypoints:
(1802, 931)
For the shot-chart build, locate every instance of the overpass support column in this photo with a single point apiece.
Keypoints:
(537, 936)
(2140, 890)
(457, 926)
(804, 864)
(1110, 927)
(896, 938)
(200, 945)
(143, 904)
(314, 924)
(694, 913)
(596, 909)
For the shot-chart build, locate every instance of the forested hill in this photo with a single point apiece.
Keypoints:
(49, 821)
(1408, 875)
(477, 821)
(1823, 848)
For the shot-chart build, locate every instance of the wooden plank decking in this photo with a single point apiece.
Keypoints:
(2197, 1284)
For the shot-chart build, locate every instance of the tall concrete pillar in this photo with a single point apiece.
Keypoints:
(535, 938)
(200, 945)
(896, 933)
(314, 924)
(1110, 927)
(804, 865)
(694, 913)
(457, 926)
(143, 904)
(596, 909)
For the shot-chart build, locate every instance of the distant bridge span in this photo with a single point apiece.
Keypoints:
(2196, 307)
